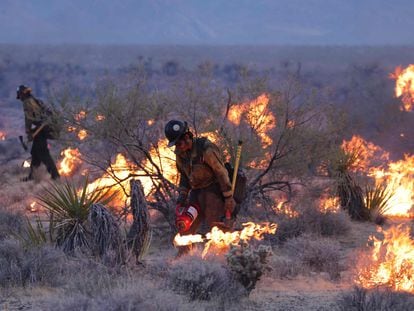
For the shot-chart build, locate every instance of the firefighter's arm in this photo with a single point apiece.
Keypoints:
(183, 186)
(213, 159)
(27, 119)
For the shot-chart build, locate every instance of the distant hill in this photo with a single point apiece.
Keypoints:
(308, 22)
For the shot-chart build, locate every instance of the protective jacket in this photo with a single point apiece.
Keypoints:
(198, 171)
(33, 113)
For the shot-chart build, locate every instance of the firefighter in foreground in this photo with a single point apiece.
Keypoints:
(38, 130)
(205, 193)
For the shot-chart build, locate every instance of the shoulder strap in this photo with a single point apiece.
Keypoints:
(200, 147)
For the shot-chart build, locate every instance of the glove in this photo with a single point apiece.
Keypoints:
(229, 204)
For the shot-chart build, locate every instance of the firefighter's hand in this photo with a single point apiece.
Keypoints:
(229, 204)
(182, 198)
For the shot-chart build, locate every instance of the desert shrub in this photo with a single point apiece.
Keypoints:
(325, 223)
(248, 264)
(202, 280)
(287, 228)
(360, 299)
(10, 223)
(319, 254)
(20, 266)
(285, 267)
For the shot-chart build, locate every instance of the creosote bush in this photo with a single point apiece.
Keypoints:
(21, 266)
(10, 223)
(319, 254)
(203, 280)
(248, 263)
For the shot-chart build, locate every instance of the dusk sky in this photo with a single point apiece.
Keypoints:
(221, 22)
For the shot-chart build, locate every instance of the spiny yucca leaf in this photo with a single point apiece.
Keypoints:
(377, 198)
(69, 210)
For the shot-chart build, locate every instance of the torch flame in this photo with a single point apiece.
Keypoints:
(390, 263)
(220, 241)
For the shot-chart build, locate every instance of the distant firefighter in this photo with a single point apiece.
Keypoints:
(38, 129)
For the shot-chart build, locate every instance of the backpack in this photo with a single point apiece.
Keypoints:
(239, 193)
(52, 118)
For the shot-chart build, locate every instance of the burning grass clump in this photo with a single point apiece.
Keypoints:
(248, 264)
(318, 254)
(360, 299)
(203, 280)
(21, 266)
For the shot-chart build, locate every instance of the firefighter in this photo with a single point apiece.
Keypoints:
(204, 180)
(38, 131)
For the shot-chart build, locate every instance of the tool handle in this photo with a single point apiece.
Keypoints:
(236, 165)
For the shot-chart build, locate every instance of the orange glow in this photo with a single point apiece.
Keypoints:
(257, 114)
(329, 204)
(404, 86)
(100, 117)
(150, 122)
(2, 135)
(80, 116)
(71, 128)
(71, 161)
(285, 209)
(366, 152)
(390, 262)
(26, 163)
(33, 207)
(399, 176)
(82, 134)
(219, 242)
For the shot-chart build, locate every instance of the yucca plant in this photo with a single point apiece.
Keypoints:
(349, 192)
(69, 208)
(377, 201)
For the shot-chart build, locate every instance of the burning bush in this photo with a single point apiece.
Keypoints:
(389, 262)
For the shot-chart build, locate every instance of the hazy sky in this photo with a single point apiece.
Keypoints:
(318, 22)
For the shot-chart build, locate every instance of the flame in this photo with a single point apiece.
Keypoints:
(404, 86)
(33, 207)
(82, 134)
(26, 163)
(329, 204)
(366, 152)
(399, 176)
(220, 241)
(285, 208)
(2, 135)
(390, 263)
(100, 117)
(71, 128)
(81, 115)
(257, 115)
(150, 122)
(70, 162)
